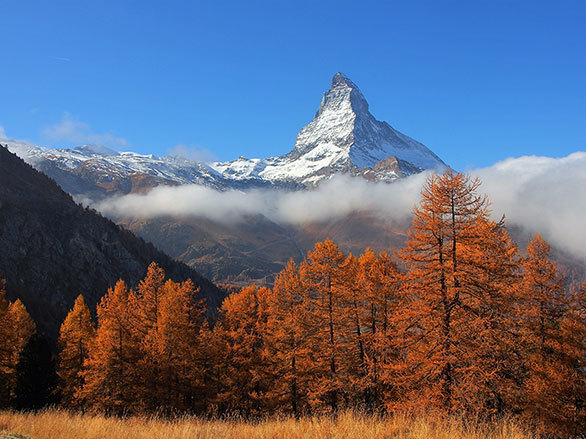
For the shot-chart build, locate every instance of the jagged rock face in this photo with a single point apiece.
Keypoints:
(342, 137)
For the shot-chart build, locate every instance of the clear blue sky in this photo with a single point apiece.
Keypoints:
(475, 81)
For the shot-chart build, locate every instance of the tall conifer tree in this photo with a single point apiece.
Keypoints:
(75, 338)
(111, 377)
(457, 263)
(322, 279)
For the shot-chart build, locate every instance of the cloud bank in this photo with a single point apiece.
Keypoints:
(542, 194)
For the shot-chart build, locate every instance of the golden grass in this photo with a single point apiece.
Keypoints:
(58, 424)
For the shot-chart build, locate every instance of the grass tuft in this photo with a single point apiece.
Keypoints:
(60, 424)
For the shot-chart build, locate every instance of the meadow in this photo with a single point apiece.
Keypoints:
(60, 424)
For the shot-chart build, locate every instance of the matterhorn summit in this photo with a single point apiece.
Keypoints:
(343, 137)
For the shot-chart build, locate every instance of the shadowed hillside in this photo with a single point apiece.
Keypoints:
(51, 249)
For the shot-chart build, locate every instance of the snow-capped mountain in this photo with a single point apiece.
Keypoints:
(175, 169)
(94, 171)
(343, 137)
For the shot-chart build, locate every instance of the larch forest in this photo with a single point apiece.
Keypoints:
(457, 322)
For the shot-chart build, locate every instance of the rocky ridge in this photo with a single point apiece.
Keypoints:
(343, 137)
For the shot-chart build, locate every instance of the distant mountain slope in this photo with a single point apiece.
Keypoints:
(51, 249)
(343, 137)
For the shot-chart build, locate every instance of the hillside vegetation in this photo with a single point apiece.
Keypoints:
(456, 323)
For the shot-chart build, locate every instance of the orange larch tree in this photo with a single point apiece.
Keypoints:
(457, 262)
(214, 355)
(287, 349)
(357, 311)
(22, 327)
(543, 309)
(111, 376)
(16, 329)
(5, 348)
(144, 321)
(322, 278)
(75, 338)
(572, 347)
(242, 326)
(176, 346)
(379, 280)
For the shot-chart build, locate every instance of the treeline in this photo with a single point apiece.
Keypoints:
(456, 322)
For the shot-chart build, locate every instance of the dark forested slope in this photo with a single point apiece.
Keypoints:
(52, 249)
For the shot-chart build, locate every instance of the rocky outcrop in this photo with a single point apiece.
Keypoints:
(343, 137)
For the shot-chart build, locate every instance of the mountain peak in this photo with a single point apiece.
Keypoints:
(340, 79)
(96, 149)
(345, 132)
(343, 97)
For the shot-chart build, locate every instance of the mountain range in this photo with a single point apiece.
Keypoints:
(343, 137)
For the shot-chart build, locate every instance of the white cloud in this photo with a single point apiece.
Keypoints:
(543, 194)
(192, 153)
(72, 130)
(335, 198)
(2, 133)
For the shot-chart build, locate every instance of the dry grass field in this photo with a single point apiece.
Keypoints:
(56, 424)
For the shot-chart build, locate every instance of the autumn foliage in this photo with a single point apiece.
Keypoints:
(456, 323)
(16, 329)
(75, 339)
(146, 354)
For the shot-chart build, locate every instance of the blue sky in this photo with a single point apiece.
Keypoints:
(475, 81)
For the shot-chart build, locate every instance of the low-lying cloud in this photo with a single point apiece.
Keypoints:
(542, 194)
(334, 198)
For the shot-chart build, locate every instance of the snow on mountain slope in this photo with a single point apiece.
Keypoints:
(100, 164)
(342, 137)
